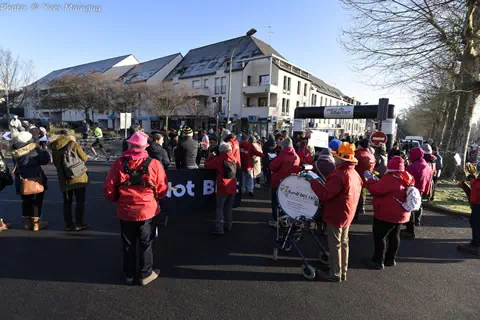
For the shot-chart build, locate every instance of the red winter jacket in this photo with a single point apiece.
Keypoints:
(475, 194)
(224, 186)
(384, 191)
(286, 163)
(235, 150)
(247, 151)
(366, 162)
(340, 195)
(244, 146)
(135, 203)
(420, 170)
(306, 157)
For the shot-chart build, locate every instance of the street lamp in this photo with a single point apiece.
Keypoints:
(248, 34)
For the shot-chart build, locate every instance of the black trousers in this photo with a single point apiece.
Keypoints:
(79, 208)
(274, 204)
(141, 233)
(386, 238)
(475, 224)
(415, 218)
(32, 205)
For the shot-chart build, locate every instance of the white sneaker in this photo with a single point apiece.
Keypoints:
(151, 277)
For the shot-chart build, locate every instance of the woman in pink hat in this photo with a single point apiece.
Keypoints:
(136, 182)
(388, 213)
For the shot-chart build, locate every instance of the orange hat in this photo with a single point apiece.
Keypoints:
(346, 152)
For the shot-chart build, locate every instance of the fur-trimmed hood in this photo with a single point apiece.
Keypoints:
(61, 141)
(23, 151)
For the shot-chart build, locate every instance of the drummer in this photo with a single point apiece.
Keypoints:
(286, 163)
(340, 196)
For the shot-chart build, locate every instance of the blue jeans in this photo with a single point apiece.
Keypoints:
(248, 181)
(475, 224)
(141, 232)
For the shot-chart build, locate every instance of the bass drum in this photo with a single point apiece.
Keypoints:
(296, 198)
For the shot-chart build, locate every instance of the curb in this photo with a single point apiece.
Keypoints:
(439, 209)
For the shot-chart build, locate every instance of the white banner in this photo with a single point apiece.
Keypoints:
(125, 120)
(340, 112)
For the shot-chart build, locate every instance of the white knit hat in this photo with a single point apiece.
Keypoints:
(24, 137)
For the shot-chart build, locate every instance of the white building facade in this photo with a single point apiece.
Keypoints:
(265, 89)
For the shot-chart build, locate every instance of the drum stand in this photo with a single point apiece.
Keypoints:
(294, 233)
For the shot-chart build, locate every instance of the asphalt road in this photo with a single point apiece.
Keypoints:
(58, 275)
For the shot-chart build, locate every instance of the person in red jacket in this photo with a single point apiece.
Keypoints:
(305, 155)
(248, 151)
(366, 162)
(388, 213)
(286, 163)
(225, 164)
(473, 194)
(340, 196)
(229, 137)
(136, 196)
(423, 174)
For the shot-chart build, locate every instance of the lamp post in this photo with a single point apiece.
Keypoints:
(248, 34)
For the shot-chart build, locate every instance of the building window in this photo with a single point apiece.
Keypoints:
(196, 84)
(331, 102)
(337, 103)
(288, 105)
(264, 80)
(321, 100)
(249, 80)
(262, 102)
(283, 105)
(248, 102)
(289, 83)
(284, 82)
(223, 84)
(298, 104)
(205, 83)
(217, 86)
(314, 99)
(305, 90)
(299, 87)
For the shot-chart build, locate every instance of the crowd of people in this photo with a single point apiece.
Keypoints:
(137, 182)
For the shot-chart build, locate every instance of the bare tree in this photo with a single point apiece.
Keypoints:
(15, 76)
(166, 98)
(82, 91)
(124, 98)
(407, 42)
(198, 109)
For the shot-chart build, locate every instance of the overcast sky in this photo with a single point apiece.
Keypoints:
(305, 32)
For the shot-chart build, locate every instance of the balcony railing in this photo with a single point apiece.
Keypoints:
(260, 84)
(252, 106)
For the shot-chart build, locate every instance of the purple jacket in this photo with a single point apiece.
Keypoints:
(420, 170)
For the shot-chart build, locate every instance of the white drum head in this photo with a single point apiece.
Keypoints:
(296, 198)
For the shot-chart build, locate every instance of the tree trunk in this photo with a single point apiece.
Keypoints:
(469, 75)
(166, 121)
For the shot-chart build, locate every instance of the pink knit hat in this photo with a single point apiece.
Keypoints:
(396, 164)
(139, 139)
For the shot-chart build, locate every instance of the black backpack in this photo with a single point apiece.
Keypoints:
(73, 166)
(229, 169)
(135, 176)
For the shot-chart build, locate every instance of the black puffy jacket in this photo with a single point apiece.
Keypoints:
(186, 153)
(156, 151)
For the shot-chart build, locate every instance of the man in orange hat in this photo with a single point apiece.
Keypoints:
(340, 196)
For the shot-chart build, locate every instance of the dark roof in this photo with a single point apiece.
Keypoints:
(208, 59)
(96, 66)
(326, 88)
(145, 70)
